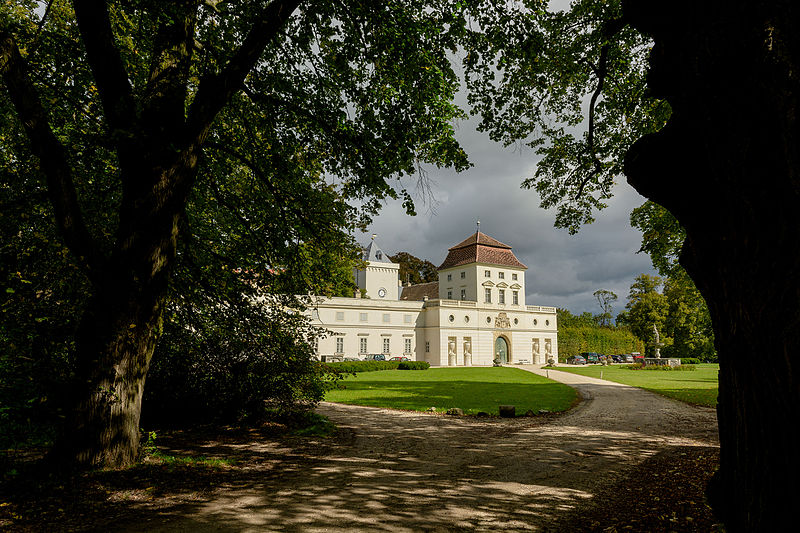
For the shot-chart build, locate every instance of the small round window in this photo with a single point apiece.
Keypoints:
(516, 321)
(535, 321)
(546, 322)
(466, 318)
(488, 320)
(451, 318)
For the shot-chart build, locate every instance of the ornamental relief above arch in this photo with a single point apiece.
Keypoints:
(502, 321)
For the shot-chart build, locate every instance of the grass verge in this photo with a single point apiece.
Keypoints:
(473, 389)
(697, 388)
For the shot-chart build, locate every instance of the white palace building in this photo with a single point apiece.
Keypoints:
(474, 314)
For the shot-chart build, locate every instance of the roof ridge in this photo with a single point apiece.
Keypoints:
(480, 238)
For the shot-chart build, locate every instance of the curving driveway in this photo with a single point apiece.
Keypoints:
(404, 471)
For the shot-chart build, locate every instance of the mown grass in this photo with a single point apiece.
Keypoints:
(697, 388)
(472, 389)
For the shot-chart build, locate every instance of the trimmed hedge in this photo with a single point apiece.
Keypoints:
(362, 366)
(573, 341)
(413, 365)
(354, 367)
(690, 361)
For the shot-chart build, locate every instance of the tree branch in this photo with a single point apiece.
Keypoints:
(216, 91)
(607, 31)
(50, 152)
(106, 63)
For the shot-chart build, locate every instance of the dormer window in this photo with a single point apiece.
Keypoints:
(378, 255)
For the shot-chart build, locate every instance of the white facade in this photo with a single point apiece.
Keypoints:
(459, 328)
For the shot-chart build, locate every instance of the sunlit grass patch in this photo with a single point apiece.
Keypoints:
(698, 387)
(472, 389)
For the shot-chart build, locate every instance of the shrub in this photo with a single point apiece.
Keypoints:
(413, 365)
(353, 367)
(690, 361)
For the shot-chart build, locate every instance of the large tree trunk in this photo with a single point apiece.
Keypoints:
(118, 334)
(726, 165)
(115, 342)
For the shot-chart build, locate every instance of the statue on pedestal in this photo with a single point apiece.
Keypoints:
(657, 344)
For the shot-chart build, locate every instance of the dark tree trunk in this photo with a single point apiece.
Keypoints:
(726, 165)
(120, 329)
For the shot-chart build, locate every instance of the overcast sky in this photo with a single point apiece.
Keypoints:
(563, 270)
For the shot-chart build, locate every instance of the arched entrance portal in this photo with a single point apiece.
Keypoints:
(501, 350)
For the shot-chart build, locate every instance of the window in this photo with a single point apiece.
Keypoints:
(535, 321)
(387, 318)
(463, 294)
(407, 319)
(516, 321)
(339, 344)
(408, 346)
(451, 318)
(363, 317)
(501, 275)
(515, 296)
(466, 318)
(514, 277)
(340, 315)
(378, 255)
(362, 345)
(546, 322)
(449, 294)
(449, 277)
(463, 275)
(487, 295)
(487, 274)
(501, 298)
(427, 346)
(386, 345)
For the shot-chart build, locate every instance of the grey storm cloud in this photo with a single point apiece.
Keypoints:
(564, 270)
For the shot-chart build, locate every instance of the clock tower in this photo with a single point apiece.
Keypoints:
(380, 276)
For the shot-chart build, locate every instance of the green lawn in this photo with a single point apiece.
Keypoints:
(698, 387)
(472, 389)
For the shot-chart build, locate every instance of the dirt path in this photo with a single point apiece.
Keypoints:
(404, 471)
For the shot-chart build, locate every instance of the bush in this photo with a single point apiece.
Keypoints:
(413, 365)
(690, 361)
(238, 361)
(353, 367)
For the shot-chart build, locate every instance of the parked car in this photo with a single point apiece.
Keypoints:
(375, 357)
(399, 358)
(637, 357)
(591, 357)
(627, 358)
(576, 360)
(616, 358)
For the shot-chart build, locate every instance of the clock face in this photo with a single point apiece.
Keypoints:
(382, 292)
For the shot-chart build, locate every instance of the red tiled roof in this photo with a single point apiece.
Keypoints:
(480, 248)
(420, 290)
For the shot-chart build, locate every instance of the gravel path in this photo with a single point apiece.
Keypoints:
(398, 471)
